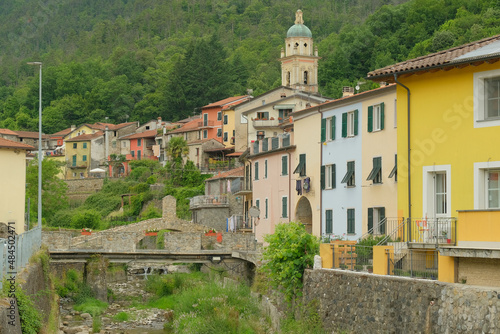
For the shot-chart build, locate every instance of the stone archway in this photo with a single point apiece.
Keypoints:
(303, 213)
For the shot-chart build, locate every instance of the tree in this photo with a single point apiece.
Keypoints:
(291, 250)
(53, 189)
(176, 149)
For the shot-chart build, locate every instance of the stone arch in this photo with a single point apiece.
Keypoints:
(303, 213)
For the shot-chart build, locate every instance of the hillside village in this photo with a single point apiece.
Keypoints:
(413, 160)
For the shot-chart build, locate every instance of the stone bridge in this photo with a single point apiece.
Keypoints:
(185, 240)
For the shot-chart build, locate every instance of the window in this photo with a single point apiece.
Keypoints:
(261, 135)
(263, 115)
(305, 77)
(487, 185)
(493, 190)
(225, 136)
(197, 151)
(351, 222)
(256, 170)
(284, 165)
(350, 124)
(328, 129)
(349, 177)
(219, 116)
(284, 207)
(219, 132)
(486, 98)
(124, 144)
(328, 177)
(394, 171)
(132, 153)
(329, 221)
(113, 143)
(205, 134)
(225, 119)
(283, 114)
(267, 202)
(138, 155)
(75, 145)
(84, 158)
(440, 193)
(265, 169)
(376, 117)
(205, 119)
(301, 167)
(257, 204)
(74, 160)
(84, 145)
(376, 221)
(376, 173)
(139, 142)
(436, 191)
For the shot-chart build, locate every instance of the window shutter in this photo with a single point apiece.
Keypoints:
(322, 177)
(344, 125)
(382, 116)
(356, 122)
(334, 181)
(370, 118)
(266, 207)
(370, 220)
(381, 215)
(284, 165)
(329, 227)
(323, 130)
(302, 161)
(332, 123)
(265, 169)
(284, 209)
(256, 170)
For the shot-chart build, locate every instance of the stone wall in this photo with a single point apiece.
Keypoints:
(232, 241)
(477, 271)
(367, 303)
(214, 217)
(182, 242)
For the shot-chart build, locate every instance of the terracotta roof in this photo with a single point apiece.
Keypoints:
(190, 126)
(102, 126)
(14, 144)
(61, 133)
(145, 134)
(199, 141)
(234, 154)
(86, 137)
(460, 55)
(30, 134)
(189, 119)
(229, 100)
(236, 172)
(7, 132)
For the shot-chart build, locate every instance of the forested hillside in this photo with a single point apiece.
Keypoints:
(140, 59)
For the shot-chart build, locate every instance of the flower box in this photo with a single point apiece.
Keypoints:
(86, 233)
(210, 234)
(151, 234)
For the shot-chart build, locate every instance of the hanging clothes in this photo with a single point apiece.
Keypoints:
(299, 187)
(307, 184)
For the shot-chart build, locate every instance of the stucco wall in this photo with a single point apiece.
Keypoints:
(365, 303)
(476, 271)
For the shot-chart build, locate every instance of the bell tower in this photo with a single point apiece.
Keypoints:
(299, 60)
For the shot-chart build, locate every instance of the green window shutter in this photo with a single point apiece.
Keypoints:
(356, 122)
(266, 206)
(382, 116)
(257, 203)
(344, 125)
(302, 162)
(329, 227)
(74, 160)
(350, 221)
(332, 123)
(334, 176)
(370, 220)
(256, 171)
(323, 130)
(265, 169)
(370, 118)
(84, 158)
(284, 165)
(284, 207)
(322, 177)
(381, 214)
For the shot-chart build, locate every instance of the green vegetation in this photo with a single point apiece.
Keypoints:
(122, 316)
(137, 60)
(29, 316)
(290, 251)
(202, 305)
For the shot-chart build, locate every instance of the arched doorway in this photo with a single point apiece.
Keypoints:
(303, 213)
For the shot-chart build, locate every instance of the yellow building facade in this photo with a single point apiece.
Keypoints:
(78, 157)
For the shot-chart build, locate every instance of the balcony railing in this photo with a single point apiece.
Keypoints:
(78, 164)
(208, 200)
(237, 223)
(265, 123)
(205, 124)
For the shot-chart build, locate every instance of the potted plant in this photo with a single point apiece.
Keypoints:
(86, 231)
(211, 232)
(151, 232)
(369, 268)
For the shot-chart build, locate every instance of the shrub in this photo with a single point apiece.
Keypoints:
(86, 218)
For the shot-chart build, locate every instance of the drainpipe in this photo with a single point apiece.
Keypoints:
(106, 144)
(409, 148)
(321, 192)
(289, 185)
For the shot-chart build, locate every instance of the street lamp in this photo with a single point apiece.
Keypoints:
(40, 156)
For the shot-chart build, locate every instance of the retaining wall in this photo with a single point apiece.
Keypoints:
(368, 303)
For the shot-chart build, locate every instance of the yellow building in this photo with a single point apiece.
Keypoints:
(228, 126)
(78, 150)
(448, 117)
(13, 181)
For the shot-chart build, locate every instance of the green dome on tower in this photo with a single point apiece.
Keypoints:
(299, 29)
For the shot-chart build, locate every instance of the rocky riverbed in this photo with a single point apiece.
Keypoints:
(126, 295)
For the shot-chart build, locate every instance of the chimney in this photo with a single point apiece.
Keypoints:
(159, 123)
(347, 91)
(73, 127)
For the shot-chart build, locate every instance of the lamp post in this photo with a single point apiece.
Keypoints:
(40, 156)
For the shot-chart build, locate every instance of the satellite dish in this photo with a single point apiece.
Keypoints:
(254, 211)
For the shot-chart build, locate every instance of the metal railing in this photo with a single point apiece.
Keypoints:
(208, 200)
(15, 252)
(237, 223)
(352, 257)
(433, 230)
(418, 263)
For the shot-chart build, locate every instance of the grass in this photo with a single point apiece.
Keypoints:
(92, 306)
(122, 316)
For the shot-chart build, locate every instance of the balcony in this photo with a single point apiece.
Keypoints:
(237, 223)
(265, 123)
(78, 164)
(208, 201)
(205, 124)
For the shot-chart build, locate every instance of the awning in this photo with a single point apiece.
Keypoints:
(347, 176)
(284, 106)
(97, 170)
(234, 154)
(300, 168)
(394, 170)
